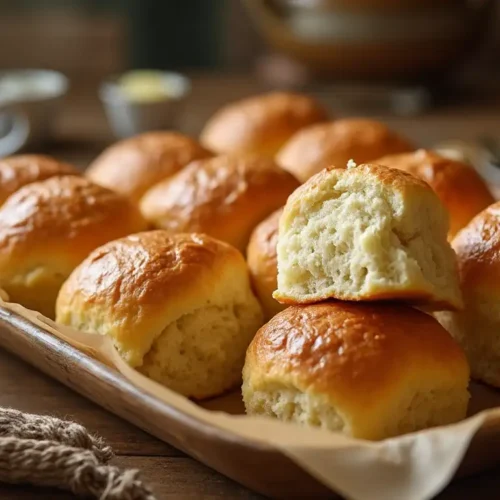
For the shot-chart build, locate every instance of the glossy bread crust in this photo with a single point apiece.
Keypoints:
(47, 228)
(225, 197)
(262, 262)
(20, 170)
(333, 144)
(132, 166)
(260, 124)
(129, 288)
(459, 187)
(478, 250)
(354, 355)
(67, 216)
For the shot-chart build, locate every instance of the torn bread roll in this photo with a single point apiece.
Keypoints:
(366, 233)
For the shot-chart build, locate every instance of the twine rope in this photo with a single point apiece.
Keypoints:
(47, 451)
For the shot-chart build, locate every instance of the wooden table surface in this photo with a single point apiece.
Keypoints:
(81, 133)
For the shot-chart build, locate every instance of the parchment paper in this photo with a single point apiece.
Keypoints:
(412, 467)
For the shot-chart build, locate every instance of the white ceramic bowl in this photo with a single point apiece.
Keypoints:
(30, 100)
(129, 116)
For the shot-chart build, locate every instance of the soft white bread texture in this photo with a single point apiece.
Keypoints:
(179, 308)
(368, 371)
(262, 262)
(477, 327)
(366, 233)
(47, 228)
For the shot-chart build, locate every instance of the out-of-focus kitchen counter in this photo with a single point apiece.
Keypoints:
(82, 129)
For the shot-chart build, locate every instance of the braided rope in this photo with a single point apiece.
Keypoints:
(47, 451)
(26, 426)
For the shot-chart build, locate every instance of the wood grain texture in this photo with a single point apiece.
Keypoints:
(171, 476)
(170, 472)
(257, 466)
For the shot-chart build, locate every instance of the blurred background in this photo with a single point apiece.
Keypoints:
(392, 58)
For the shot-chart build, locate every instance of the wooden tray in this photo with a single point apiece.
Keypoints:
(258, 467)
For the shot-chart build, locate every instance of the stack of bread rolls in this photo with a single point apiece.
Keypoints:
(179, 250)
(341, 358)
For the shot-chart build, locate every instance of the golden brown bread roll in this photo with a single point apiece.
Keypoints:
(224, 197)
(17, 171)
(178, 307)
(368, 371)
(260, 124)
(477, 327)
(47, 228)
(262, 262)
(459, 187)
(132, 166)
(335, 143)
(366, 233)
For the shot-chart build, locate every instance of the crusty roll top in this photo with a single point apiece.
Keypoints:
(17, 171)
(478, 249)
(458, 185)
(260, 124)
(133, 165)
(134, 287)
(66, 216)
(358, 356)
(335, 143)
(225, 197)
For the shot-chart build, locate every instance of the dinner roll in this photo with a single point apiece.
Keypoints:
(179, 308)
(366, 233)
(459, 187)
(261, 258)
(17, 171)
(335, 143)
(260, 124)
(477, 327)
(47, 228)
(224, 197)
(133, 165)
(371, 372)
